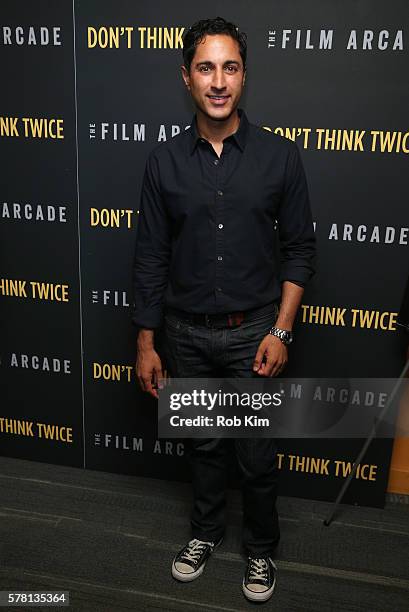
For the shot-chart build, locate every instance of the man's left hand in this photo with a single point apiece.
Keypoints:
(276, 354)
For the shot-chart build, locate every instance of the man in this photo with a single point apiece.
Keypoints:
(209, 264)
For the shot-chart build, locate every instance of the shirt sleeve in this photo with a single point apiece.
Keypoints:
(152, 252)
(296, 231)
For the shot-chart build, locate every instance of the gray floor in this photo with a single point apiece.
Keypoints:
(109, 541)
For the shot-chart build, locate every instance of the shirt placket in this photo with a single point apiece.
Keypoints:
(219, 166)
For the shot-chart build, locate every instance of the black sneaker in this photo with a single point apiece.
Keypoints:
(190, 562)
(259, 579)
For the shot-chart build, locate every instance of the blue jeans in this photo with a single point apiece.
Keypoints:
(196, 350)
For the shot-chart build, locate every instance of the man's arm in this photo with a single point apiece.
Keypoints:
(148, 364)
(150, 275)
(290, 302)
(297, 248)
(275, 351)
(296, 231)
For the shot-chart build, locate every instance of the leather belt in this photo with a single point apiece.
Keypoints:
(221, 320)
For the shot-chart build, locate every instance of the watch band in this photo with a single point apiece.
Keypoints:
(284, 335)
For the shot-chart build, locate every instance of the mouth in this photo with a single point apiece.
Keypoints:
(218, 100)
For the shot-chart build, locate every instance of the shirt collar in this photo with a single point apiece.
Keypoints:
(239, 137)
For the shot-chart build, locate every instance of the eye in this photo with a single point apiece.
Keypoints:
(231, 68)
(204, 68)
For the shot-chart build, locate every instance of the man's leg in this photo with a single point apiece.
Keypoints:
(256, 457)
(257, 460)
(189, 353)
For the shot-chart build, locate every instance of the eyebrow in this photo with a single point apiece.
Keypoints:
(208, 63)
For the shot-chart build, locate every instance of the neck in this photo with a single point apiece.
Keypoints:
(216, 131)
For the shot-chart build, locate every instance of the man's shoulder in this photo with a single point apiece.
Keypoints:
(270, 140)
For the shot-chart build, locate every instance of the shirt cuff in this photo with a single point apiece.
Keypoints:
(298, 274)
(148, 318)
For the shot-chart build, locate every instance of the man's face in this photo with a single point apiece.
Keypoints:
(216, 76)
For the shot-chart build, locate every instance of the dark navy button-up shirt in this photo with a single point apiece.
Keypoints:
(220, 234)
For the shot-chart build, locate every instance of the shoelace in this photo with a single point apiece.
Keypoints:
(258, 569)
(194, 549)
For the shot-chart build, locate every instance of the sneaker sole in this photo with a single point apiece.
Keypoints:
(182, 577)
(258, 596)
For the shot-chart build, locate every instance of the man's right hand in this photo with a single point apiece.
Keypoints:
(148, 364)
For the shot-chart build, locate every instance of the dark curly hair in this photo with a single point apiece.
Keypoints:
(195, 34)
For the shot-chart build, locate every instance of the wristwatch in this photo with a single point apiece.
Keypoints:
(285, 336)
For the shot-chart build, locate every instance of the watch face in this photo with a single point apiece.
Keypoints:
(288, 338)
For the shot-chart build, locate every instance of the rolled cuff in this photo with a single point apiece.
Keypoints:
(148, 318)
(299, 274)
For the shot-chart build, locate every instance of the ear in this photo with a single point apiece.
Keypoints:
(244, 76)
(185, 76)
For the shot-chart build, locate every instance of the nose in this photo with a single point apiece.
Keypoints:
(219, 79)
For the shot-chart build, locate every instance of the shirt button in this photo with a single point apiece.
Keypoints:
(220, 193)
(220, 225)
(218, 288)
(216, 161)
(220, 258)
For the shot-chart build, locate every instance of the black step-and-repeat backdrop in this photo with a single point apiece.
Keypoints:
(88, 89)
